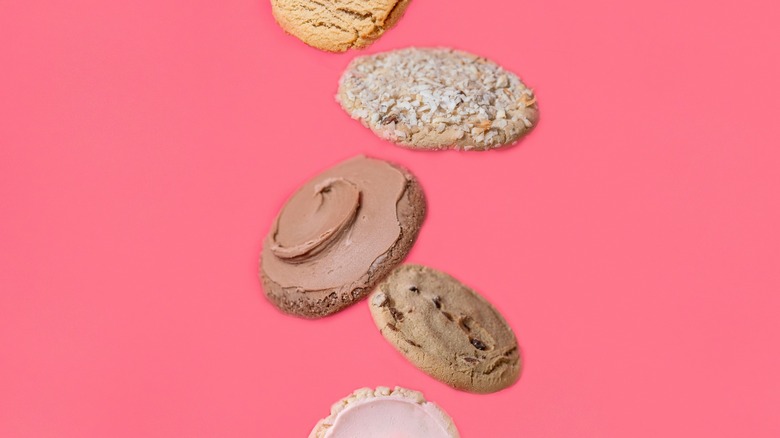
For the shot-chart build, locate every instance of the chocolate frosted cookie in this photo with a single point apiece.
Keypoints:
(385, 413)
(446, 329)
(340, 234)
(338, 25)
(438, 99)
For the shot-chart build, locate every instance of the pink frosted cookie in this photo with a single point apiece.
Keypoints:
(385, 413)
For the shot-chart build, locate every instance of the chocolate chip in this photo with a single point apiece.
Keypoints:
(392, 327)
(414, 289)
(413, 343)
(479, 345)
(447, 315)
(437, 302)
(398, 316)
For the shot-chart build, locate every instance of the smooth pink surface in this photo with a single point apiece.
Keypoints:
(632, 240)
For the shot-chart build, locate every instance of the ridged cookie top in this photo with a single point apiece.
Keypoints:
(446, 329)
(438, 99)
(338, 25)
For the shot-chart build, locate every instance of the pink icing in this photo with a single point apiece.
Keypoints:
(389, 417)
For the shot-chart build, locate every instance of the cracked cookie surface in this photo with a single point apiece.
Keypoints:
(436, 98)
(338, 25)
(446, 329)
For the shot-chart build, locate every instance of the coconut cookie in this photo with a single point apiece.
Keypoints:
(340, 234)
(438, 99)
(446, 329)
(338, 25)
(385, 413)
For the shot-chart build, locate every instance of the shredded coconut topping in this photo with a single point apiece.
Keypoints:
(438, 98)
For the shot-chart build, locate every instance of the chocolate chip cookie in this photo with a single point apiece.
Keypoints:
(446, 329)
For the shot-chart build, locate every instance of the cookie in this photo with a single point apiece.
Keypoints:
(437, 99)
(385, 413)
(340, 234)
(338, 25)
(446, 329)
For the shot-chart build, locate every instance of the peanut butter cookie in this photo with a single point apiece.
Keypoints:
(338, 25)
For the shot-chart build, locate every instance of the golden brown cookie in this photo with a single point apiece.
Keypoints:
(446, 329)
(340, 234)
(338, 25)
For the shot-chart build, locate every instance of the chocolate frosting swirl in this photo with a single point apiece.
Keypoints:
(313, 223)
(333, 230)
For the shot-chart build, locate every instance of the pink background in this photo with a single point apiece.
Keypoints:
(632, 240)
